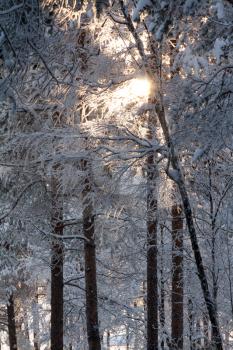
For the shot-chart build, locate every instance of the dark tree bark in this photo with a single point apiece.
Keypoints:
(56, 268)
(217, 340)
(162, 292)
(100, 5)
(177, 278)
(152, 279)
(198, 333)
(90, 264)
(174, 163)
(214, 272)
(11, 323)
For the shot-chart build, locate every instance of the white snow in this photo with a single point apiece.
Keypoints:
(174, 175)
(197, 154)
(140, 6)
(218, 48)
(220, 10)
(2, 38)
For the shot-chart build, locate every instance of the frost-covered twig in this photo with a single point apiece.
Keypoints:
(18, 199)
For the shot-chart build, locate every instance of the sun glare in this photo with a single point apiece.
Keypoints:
(134, 91)
(139, 87)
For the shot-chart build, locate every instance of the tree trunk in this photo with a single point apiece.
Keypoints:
(162, 293)
(227, 340)
(179, 179)
(206, 331)
(25, 322)
(11, 323)
(198, 334)
(152, 280)
(56, 268)
(213, 243)
(90, 265)
(191, 324)
(35, 321)
(127, 338)
(177, 278)
(108, 340)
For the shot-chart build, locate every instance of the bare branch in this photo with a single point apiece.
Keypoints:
(11, 9)
(18, 199)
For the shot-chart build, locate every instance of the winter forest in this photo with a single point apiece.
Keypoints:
(116, 175)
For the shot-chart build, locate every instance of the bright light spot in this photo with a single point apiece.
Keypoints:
(130, 94)
(204, 19)
(139, 87)
(134, 89)
(181, 48)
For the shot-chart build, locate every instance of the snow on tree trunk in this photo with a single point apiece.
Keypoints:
(175, 173)
(191, 229)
